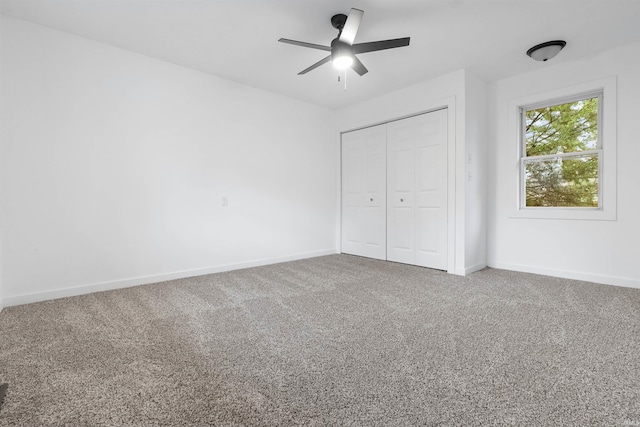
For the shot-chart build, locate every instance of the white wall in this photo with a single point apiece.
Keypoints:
(476, 133)
(595, 250)
(1, 157)
(447, 90)
(114, 165)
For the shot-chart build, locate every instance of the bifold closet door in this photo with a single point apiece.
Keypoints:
(417, 190)
(364, 192)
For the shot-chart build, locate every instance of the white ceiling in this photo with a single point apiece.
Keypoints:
(237, 39)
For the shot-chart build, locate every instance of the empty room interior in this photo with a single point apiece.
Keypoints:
(252, 213)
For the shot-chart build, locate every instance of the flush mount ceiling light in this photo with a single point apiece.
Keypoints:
(547, 50)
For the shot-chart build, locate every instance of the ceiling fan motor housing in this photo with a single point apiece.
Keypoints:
(339, 49)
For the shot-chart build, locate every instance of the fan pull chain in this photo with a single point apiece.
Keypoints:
(345, 78)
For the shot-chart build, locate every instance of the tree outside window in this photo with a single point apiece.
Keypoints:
(561, 150)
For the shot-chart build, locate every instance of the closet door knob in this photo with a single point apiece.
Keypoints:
(402, 200)
(371, 199)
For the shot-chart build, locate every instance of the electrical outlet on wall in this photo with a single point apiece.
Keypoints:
(225, 201)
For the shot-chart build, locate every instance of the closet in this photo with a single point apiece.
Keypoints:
(394, 191)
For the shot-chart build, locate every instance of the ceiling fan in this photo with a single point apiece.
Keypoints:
(343, 50)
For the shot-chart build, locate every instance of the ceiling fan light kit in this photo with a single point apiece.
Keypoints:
(343, 50)
(547, 50)
(342, 62)
(341, 55)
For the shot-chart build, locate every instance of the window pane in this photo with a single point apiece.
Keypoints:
(563, 128)
(562, 182)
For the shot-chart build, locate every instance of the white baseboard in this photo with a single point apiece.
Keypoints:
(596, 278)
(145, 280)
(468, 270)
(474, 268)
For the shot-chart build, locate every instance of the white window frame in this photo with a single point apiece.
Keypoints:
(605, 89)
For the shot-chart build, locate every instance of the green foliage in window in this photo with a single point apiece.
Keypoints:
(563, 181)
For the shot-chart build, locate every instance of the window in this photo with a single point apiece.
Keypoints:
(566, 153)
(561, 153)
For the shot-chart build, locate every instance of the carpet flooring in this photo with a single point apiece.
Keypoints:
(330, 341)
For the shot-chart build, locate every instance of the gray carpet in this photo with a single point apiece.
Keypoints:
(336, 340)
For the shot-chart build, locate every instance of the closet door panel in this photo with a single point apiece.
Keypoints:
(364, 192)
(352, 184)
(431, 190)
(400, 191)
(351, 229)
(375, 193)
(427, 230)
(417, 190)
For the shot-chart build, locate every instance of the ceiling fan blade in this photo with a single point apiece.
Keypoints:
(358, 66)
(305, 44)
(350, 29)
(380, 45)
(316, 65)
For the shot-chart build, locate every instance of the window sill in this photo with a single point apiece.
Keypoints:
(565, 213)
